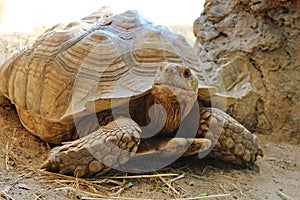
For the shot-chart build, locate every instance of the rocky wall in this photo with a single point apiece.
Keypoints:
(251, 50)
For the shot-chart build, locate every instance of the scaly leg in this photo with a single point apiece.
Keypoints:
(108, 147)
(232, 142)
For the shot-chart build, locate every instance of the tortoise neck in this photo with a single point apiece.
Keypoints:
(156, 112)
(166, 111)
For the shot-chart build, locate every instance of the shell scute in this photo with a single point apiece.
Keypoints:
(102, 58)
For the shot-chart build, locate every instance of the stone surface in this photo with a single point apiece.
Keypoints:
(250, 50)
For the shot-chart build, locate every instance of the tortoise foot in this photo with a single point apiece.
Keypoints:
(232, 141)
(98, 152)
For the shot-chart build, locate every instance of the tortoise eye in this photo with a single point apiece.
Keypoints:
(186, 73)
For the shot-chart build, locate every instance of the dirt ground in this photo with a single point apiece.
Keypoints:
(275, 176)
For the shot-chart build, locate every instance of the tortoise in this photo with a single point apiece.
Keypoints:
(117, 91)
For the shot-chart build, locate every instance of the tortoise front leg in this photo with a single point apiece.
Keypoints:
(108, 147)
(232, 142)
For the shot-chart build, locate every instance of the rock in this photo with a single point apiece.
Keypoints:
(250, 50)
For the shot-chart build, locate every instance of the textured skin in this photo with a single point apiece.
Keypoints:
(98, 151)
(232, 142)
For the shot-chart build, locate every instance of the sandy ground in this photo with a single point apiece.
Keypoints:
(275, 176)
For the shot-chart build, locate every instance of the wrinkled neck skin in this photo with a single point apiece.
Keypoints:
(160, 111)
(165, 110)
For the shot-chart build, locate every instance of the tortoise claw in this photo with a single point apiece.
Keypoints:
(51, 164)
(47, 166)
(198, 146)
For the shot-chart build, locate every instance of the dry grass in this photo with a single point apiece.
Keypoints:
(94, 188)
(103, 187)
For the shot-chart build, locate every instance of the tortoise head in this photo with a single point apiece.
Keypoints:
(175, 88)
(178, 78)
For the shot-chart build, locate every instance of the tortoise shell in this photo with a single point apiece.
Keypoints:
(90, 62)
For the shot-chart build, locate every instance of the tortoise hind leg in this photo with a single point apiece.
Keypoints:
(97, 152)
(233, 142)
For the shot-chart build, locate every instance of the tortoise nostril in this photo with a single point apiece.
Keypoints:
(170, 69)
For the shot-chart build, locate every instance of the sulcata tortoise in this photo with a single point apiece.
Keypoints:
(119, 92)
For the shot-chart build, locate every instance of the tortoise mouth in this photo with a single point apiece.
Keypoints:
(171, 86)
(176, 89)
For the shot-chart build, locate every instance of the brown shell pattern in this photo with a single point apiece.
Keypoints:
(98, 58)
